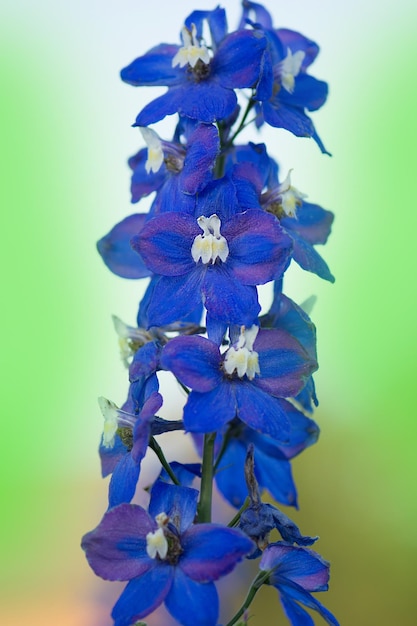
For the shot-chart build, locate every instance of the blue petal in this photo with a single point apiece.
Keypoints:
(143, 595)
(227, 300)
(309, 93)
(291, 118)
(261, 411)
(258, 247)
(274, 474)
(109, 457)
(154, 68)
(212, 551)
(230, 476)
(310, 260)
(313, 223)
(296, 41)
(195, 361)
(295, 613)
(262, 16)
(207, 102)
(174, 298)
(116, 549)
(216, 20)
(296, 592)
(116, 251)
(142, 182)
(203, 148)
(123, 481)
(192, 603)
(291, 564)
(207, 412)
(237, 63)
(165, 243)
(179, 503)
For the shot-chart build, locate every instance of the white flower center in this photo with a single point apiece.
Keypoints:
(155, 152)
(290, 68)
(110, 414)
(191, 52)
(156, 543)
(211, 245)
(291, 198)
(241, 357)
(114, 418)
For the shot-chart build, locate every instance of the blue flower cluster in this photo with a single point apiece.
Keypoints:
(222, 221)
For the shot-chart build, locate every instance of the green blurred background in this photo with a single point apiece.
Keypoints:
(65, 119)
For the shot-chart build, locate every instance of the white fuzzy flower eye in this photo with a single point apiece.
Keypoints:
(155, 152)
(241, 358)
(191, 52)
(290, 68)
(211, 245)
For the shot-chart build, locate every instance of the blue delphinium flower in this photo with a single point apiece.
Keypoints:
(176, 171)
(250, 380)
(286, 91)
(125, 442)
(200, 86)
(295, 572)
(206, 259)
(165, 557)
(222, 221)
(272, 459)
(259, 518)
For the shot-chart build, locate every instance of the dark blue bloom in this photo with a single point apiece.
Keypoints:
(204, 259)
(116, 251)
(199, 86)
(250, 380)
(288, 316)
(259, 518)
(272, 459)
(181, 170)
(165, 557)
(125, 442)
(295, 572)
(285, 90)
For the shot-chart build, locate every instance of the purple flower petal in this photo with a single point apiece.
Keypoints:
(195, 361)
(116, 252)
(212, 551)
(165, 243)
(285, 366)
(259, 249)
(116, 549)
(299, 565)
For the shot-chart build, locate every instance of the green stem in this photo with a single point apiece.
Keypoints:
(256, 585)
(241, 126)
(154, 445)
(235, 520)
(204, 505)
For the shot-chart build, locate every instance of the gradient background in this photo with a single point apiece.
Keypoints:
(66, 135)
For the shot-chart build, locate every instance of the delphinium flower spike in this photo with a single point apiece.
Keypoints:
(222, 221)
